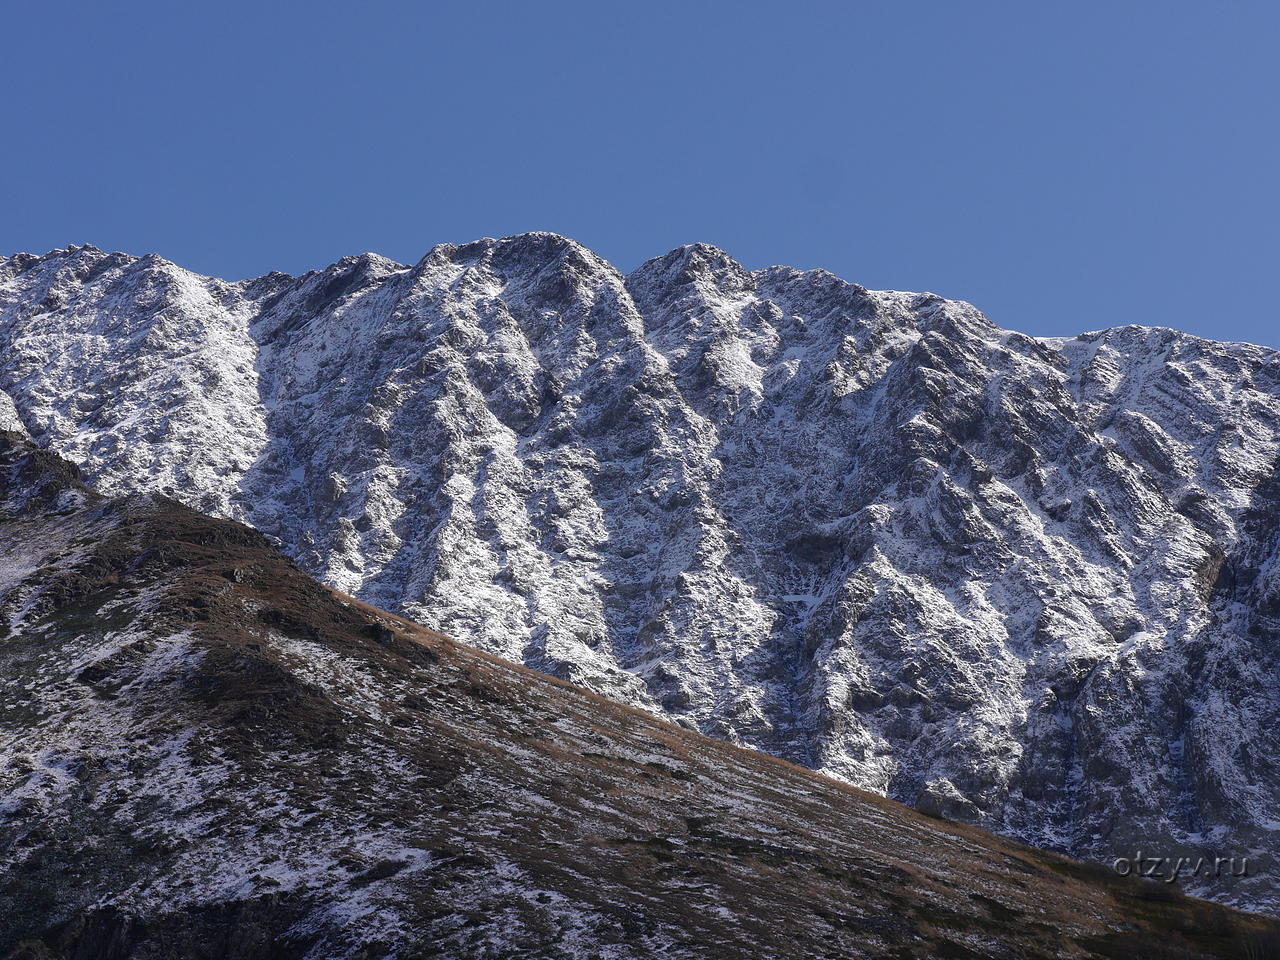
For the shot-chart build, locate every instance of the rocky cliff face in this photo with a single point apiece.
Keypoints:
(9, 419)
(1021, 582)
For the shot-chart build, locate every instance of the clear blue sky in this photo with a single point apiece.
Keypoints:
(1063, 166)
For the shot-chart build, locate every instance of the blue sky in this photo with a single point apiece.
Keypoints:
(1063, 166)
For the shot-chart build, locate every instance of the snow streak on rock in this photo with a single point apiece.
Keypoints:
(9, 419)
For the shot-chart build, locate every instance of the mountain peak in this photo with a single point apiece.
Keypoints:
(690, 260)
(533, 245)
(687, 269)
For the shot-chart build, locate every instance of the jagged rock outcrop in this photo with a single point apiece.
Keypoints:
(1025, 582)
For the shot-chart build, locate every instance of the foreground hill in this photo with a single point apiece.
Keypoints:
(204, 753)
(1025, 583)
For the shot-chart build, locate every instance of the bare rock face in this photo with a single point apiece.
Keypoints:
(1025, 582)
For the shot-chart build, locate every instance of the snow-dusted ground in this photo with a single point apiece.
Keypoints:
(1029, 583)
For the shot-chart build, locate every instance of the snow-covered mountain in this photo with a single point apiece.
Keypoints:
(1022, 582)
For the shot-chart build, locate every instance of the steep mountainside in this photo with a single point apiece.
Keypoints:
(204, 753)
(1021, 582)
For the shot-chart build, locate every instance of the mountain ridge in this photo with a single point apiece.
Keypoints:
(24, 259)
